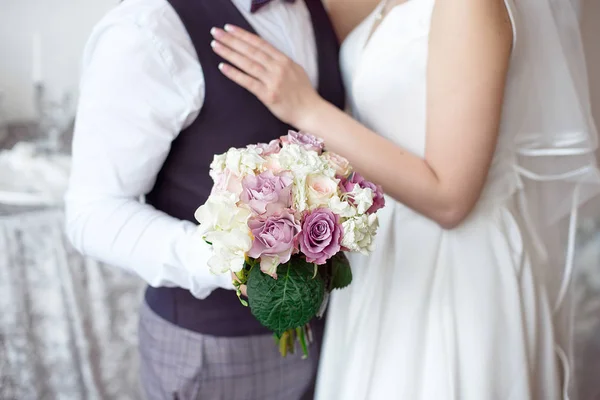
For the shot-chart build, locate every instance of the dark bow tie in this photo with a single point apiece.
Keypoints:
(257, 4)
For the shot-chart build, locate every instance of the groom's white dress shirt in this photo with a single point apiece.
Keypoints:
(142, 84)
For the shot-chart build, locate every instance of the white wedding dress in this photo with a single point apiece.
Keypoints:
(437, 314)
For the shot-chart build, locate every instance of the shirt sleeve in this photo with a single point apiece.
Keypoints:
(130, 110)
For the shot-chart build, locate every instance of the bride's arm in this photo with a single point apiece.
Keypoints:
(346, 17)
(468, 59)
(469, 53)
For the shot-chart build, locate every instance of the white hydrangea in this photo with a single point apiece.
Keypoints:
(359, 233)
(225, 225)
(363, 198)
(217, 166)
(302, 162)
(243, 162)
(342, 208)
(300, 193)
(240, 162)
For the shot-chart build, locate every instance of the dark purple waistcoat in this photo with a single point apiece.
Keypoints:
(230, 117)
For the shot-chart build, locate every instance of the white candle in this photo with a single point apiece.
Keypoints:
(36, 73)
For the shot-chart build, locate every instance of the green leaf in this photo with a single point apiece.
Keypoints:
(341, 273)
(288, 302)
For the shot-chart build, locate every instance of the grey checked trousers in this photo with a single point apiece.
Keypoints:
(178, 364)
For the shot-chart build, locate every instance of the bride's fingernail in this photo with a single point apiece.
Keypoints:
(213, 31)
(213, 44)
(228, 28)
(221, 66)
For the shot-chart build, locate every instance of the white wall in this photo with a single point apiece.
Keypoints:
(64, 26)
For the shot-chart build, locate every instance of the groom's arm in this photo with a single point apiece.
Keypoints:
(132, 106)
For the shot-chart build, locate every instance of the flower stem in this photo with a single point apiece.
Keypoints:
(284, 343)
(302, 339)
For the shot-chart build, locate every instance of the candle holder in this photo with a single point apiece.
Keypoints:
(53, 119)
(3, 120)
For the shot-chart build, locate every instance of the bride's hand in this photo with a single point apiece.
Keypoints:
(278, 82)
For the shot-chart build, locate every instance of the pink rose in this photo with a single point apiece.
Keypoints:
(356, 179)
(339, 163)
(275, 237)
(227, 182)
(267, 189)
(273, 165)
(321, 235)
(267, 149)
(305, 140)
(321, 189)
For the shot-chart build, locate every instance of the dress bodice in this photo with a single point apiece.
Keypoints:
(385, 75)
(494, 287)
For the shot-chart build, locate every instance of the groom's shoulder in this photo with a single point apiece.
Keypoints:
(155, 16)
(133, 24)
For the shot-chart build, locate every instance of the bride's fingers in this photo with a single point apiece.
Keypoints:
(255, 41)
(241, 46)
(244, 80)
(242, 62)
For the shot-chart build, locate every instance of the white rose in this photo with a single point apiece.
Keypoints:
(220, 213)
(230, 252)
(320, 189)
(363, 198)
(359, 233)
(225, 225)
(341, 208)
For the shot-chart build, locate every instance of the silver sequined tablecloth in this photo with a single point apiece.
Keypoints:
(67, 324)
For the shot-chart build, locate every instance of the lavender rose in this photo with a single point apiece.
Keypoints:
(267, 189)
(275, 237)
(309, 142)
(357, 179)
(321, 236)
(272, 147)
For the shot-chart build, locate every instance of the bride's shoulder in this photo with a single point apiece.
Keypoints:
(346, 15)
(497, 15)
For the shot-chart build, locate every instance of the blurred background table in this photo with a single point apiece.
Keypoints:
(67, 324)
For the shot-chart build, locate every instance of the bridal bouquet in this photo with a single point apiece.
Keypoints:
(279, 217)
